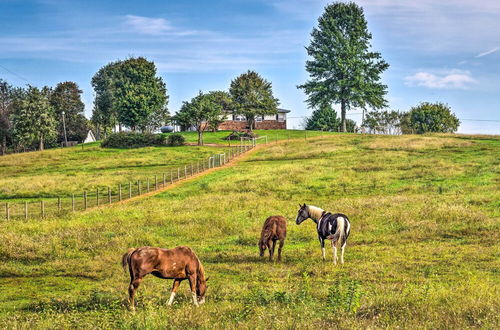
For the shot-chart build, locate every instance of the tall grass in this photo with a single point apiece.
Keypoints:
(418, 256)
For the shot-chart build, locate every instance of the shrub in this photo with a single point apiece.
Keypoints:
(175, 139)
(432, 117)
(133, 140)
(236, 135)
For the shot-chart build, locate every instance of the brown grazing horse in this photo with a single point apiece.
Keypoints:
(274, 229)
(179, 264)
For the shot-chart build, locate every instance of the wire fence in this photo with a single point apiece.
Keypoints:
(57, 206)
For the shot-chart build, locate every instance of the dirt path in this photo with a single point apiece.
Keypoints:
(232, 162)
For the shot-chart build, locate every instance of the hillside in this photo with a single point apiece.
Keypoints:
(423, 251)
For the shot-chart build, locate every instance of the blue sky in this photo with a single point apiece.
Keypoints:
(446, 51)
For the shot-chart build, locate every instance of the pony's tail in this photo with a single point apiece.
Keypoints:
(125, 258)
(338, 237)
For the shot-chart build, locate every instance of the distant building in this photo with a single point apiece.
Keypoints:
(239, 122)
(90, 137)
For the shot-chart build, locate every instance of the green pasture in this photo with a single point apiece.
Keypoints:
(423, 250)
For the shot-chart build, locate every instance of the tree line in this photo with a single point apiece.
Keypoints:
(32, 118)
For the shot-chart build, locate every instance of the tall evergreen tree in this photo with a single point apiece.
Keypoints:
(252, 96)
(66, 97)
(342, 68)
(33, 118)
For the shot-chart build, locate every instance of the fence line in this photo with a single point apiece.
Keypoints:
(62, 205)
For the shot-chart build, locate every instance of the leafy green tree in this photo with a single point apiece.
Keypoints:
(224, 99)
(129, 93)
(342, 67)
(433, 117)
(66, 97)
(252, 96)
(33, 117)
(7, 95)
(199, 112)
(323, 119)
(104, 114)
(138, 92)
(384, 122)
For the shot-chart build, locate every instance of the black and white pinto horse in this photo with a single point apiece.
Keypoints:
(335, 227)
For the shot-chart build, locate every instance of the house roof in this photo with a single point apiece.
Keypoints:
(283, 110)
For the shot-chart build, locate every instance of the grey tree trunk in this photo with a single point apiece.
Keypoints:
(200, 137)
(3, 149)
(342, 115)
(41, 143)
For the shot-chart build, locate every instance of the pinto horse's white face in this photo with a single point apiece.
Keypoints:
(302, 214)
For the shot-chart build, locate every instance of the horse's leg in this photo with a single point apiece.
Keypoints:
(192, 283)
(322, 243)
(342, 253)
(271, 255)
(269, 248)
(174, 290)
(334, 247)
(134, 284)
(282, 242)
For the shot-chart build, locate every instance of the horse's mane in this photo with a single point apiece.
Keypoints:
(315, 212)
(200, 271)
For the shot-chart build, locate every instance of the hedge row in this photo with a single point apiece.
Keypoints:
(139, 140)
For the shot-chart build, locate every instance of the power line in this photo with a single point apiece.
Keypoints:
(15, 74)
(492, 120)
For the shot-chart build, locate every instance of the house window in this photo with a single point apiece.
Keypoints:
(240, 118)
(259, 118)
(281, 117)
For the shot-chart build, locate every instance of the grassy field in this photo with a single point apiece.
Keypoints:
(423, 251)
(66, 171)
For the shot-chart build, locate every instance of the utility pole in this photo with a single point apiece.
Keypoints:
(64, 127)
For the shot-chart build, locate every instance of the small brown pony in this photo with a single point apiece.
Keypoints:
(179, 264)
(274, 229)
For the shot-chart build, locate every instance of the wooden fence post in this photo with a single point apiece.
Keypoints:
(59, 203)
(109, 195)
(178, 173)
(164, 180)
(7, 211)
(147, 181)
(42, 208)
(25, 210)
(120, 192)
(73, 202)
(198, 167)
(97, 196)
(192, 172)
(171, 177)
(138, 187)
(129, 189)
(156, 182)
(84, 200)
(185, 171)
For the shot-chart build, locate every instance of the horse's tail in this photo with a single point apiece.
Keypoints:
(338, 237)
(126, 257)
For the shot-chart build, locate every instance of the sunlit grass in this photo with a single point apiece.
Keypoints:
(423, 252)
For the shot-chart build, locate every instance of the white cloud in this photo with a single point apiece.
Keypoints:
(488, 52)
(454, 79)
(147, 25)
